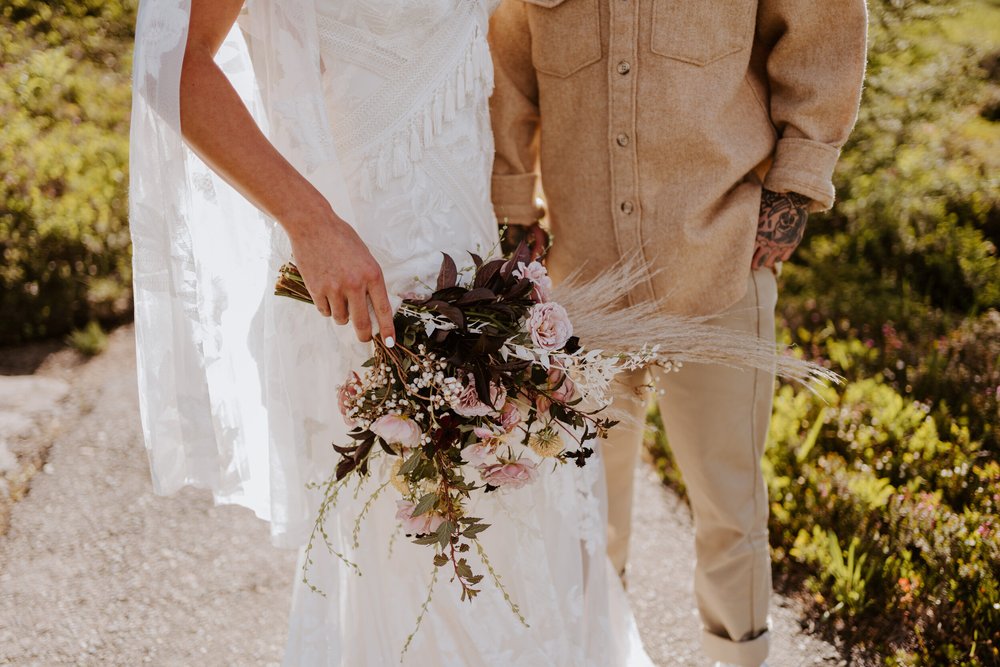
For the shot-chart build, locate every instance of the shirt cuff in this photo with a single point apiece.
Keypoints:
(806, 167)
(514, 199)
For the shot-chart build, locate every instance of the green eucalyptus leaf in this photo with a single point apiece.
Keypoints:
(425, 504)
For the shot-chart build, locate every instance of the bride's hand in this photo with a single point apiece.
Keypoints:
(339, 271)
(341, 275)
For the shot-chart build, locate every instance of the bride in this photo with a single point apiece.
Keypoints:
(355, 136)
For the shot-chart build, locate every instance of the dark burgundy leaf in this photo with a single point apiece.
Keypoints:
(453, 314)
(508, 268)
(449, 294)
(476, 295)
(504, 310)
(449, 272)
(512, 366)
(345, 467)
(347, 451)
(487, 272)
(482, 384)
(520, 290)
(419, 302)
(476, 259)
(522, 254)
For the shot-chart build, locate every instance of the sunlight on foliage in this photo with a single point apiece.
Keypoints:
(64, 100)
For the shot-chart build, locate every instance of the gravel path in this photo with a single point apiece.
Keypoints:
(96, 570)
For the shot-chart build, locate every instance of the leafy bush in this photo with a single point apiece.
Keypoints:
(868, 471)
(897, 523)
(89, 341)
(64, 98)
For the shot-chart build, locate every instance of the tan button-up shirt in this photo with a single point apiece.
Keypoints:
(657, 122)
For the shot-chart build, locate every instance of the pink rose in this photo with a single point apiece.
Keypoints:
(484, 433)
(563, 389)
(539, 277)
(397, 430)
(514, 474)
(510, 416)
(416, 525)
(468, 404)
(346, 393)
(477, 453)
(549, 325)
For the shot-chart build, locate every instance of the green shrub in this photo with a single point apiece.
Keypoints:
(89, 341)
(64, 98)
(897, 523)
(870, 465)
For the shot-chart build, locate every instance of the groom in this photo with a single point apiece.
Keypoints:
(698, 134)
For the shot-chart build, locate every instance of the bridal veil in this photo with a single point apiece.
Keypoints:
(210, 368)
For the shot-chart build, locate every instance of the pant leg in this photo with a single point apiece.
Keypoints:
(620, 453)
(716, 421)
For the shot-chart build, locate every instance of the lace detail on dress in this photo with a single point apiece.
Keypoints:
(590, 516)
(357, 47)
(419, 97)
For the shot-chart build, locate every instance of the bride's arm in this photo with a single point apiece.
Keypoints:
(338, 269)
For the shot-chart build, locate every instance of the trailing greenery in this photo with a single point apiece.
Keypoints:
(885, 494)
(64, 100)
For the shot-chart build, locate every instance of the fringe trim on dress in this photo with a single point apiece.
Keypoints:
(460, 91)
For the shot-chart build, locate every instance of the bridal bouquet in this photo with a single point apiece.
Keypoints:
(495, 374)
(486, 383)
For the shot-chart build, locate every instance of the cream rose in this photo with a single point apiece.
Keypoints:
(416, 525)
(514, 474)
(397, 430)
(510, 416)
(549, 325)
(478, 453)
(467, 404)
(539, 277)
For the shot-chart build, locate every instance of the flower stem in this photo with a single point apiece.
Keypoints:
(420, 617)
(499, 584)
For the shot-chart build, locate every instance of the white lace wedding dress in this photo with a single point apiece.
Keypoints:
(407, 84)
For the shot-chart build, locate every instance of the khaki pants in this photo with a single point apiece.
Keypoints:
(716, 421)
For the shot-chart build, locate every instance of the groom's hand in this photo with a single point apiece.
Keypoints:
(536, 238)
(780, 227)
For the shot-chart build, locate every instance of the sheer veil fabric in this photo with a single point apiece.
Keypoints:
(382, 104)
(205, 260)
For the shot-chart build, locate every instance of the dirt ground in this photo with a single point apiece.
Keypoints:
(96, 570)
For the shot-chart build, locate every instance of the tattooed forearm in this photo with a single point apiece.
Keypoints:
(780, 227)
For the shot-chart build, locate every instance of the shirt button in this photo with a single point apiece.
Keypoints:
(622, 139)
(624, 67)
(627, 207)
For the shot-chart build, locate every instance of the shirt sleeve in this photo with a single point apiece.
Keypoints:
(514, 114)
(815, 70)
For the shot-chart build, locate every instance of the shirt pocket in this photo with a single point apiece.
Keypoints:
(700, 32)
(565, 35)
